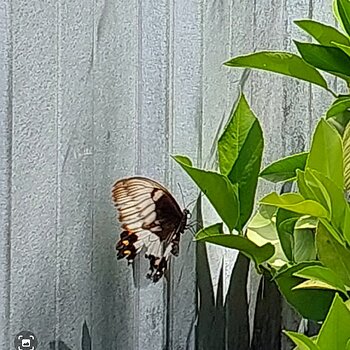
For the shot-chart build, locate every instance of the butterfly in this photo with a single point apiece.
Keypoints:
(150, 218)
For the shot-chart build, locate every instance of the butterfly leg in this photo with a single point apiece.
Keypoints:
(157, 267)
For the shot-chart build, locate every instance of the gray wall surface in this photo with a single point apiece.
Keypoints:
(92, 91)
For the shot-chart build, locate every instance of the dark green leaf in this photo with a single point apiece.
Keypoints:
(324, 34)
(280, 62)
(285, 169)
(240, 152)
(221, 193)
(332, 254)
(340, 105)
(235, 135)
(310, 303)
(327, 58)
(213, 234)
(335, 331)
(285, 222)
(344, 48)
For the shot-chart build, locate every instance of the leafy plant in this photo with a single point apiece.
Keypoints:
(300, 240)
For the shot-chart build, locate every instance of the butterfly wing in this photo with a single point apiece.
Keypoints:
(151, 218)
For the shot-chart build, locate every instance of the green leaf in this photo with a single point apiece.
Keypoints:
(280, 62)
(344, 48)
(214, 234)
(317, 189)
(326, 154)
(285, 169)
(285, 222)
(324, 34)
(295, 202)
(323, 274)
(336, 13)
(330, 59)
(310, 303)
(304, 245)
(314, 284)
(328, 192)
(302, 341)
(339, 106)
(334, 333)
(346, 146)
(235, 135)
(332, 254)
(240, 151)
(339, 113)
(343, 10)
(221, 193)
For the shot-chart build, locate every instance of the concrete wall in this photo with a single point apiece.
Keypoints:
(92, 91)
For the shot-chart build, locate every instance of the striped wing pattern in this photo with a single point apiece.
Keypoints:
(150, 218)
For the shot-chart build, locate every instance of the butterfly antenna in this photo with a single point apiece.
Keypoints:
(182, 195)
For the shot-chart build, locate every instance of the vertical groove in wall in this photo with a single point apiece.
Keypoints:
(138, 164)
(200, 107)
(284, 101)
(169, 173)
(310, 15)
(6, 128)
(58, 170)
(93, 189)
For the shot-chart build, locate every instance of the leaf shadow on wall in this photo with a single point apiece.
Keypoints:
(85, 341)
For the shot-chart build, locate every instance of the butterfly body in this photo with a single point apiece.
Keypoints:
(151, 218)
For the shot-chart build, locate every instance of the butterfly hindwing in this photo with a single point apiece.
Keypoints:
(151, 218)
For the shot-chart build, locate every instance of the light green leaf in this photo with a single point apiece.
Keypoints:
(221, 193)
(324, 34)
(323, 274)
(318, 190)
(346, 147)
(332, 254)
(314, 284)
(326, 154)
(336, 13)
(310, 303)
(214, 234)
(343, 11)
(334, 333)
(304, 245)
(295, 202)
(335, 199)
(240, 151)
(330, 59)
(280, 62)
(302, 341)
(285, 169)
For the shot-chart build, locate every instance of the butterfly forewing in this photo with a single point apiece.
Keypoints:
(150, 217)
